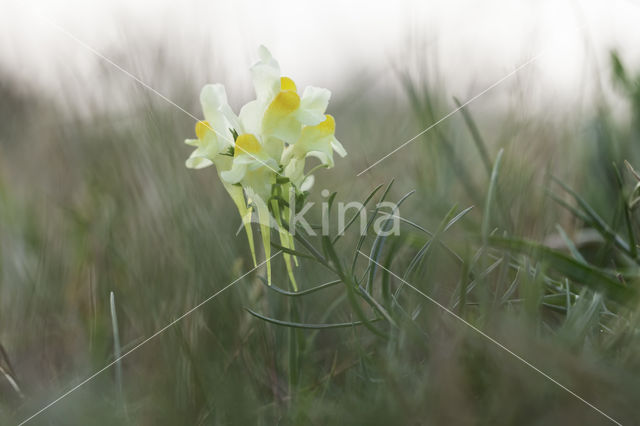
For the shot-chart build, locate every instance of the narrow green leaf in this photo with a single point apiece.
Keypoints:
(378, 243)
(430, 234)
(423, 251)
(292, 252)
(374, 303)
(349, 285)
(386, 276)
(301, 292)
(357, 214)
(309, 326)
(366, 230)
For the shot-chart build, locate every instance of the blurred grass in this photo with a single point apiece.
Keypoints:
(99, 200)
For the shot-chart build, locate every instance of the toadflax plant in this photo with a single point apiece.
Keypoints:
(260, 153)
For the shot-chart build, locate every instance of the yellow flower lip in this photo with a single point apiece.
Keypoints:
(247, 144)
(202, 127)
(285, 102)
(287, 84)
(328, 126)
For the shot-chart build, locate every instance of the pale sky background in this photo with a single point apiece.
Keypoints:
(473, 43)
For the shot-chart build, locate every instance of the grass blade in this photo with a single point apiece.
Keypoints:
(117, 350)
(475, 135)
(597, 221)
(570, 245)
(587, 275)
(486, 219)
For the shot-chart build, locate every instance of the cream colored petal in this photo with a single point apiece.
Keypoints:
(232, 120)
(313, 105)
(251, 117)
(212, 98)
(266, 75)
(307, 183)
(217, 111)
(253, 162)
(337, 147)
(258, 182)
(295, 171)
(247, 159)
(273, 148)
(197, 161)
(316, 141)
(236, 174)
(223, 163)
(287, 155)
(325, 156)
(206, 150)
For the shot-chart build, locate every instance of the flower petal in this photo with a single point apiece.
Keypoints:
(217, 111)
(337, 147)
(251, 117)
(313, 105)
(307, 183)
(236, 174)
(295, 171)
(273, 148)
(197, 160)
(287, 155)
(324, 155)
(287, 83)
(212, 97)
(316, 141)
(247, 143)
(266, 75)
(280, 117)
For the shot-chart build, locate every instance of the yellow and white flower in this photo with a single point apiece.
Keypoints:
(281, 109)
(254, 170)
(270, 138)
(213, 143)
(314, 141)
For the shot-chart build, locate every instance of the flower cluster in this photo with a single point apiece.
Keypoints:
(260, 154)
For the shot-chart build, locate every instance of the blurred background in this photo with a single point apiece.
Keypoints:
(324, 45)
(95, 198)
